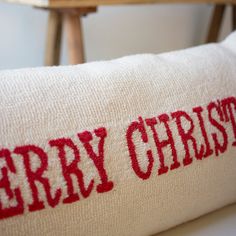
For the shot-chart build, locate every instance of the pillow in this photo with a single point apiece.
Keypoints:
(132, 146)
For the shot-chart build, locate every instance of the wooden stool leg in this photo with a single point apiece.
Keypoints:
(215, 24)
(53, 44)
(233, 17)
(74, 33)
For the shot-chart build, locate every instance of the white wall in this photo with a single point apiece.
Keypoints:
(112, 32)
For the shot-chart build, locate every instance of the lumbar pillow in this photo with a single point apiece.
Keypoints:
(131, 146)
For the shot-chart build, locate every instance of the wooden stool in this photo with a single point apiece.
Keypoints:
(216, 21)
(72, 23)
(69, 12)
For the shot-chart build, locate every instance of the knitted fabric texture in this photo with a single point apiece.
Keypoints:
(132, 146)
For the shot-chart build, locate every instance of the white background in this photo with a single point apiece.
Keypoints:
(112, 32)
(218, 223)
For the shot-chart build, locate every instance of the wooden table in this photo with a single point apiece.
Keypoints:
(69, 12)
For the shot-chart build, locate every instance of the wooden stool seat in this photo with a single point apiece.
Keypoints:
(69, 12)
(89, 3)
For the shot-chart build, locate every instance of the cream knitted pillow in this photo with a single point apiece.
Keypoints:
(129, 147)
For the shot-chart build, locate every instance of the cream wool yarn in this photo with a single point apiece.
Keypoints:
(132, 146)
